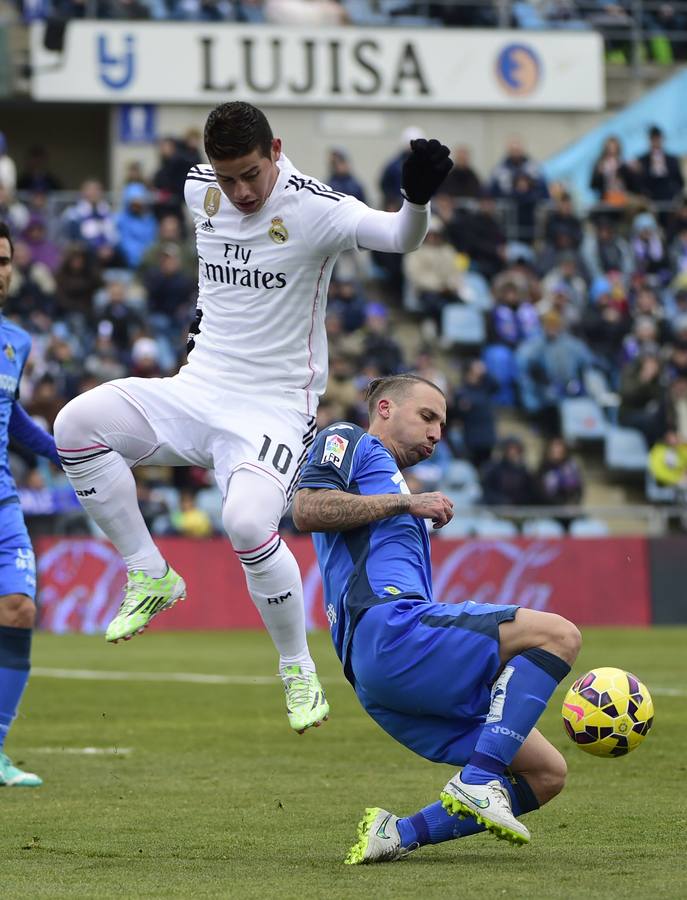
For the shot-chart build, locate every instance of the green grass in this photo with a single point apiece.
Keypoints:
(218, 798)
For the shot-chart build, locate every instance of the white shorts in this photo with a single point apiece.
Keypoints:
(222, 431)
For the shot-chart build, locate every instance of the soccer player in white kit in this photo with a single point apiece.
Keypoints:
(244, 404)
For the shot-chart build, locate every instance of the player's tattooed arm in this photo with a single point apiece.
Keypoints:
(317, 509)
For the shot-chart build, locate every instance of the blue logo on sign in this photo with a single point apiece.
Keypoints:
(518, 69)
(116, 70)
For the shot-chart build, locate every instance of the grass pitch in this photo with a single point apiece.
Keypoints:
(201, 789)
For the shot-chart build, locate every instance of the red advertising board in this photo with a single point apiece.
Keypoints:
(601, 581)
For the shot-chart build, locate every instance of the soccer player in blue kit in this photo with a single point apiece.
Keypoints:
(17, 562)
(460, 683)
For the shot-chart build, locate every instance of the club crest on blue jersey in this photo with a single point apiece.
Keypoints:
(9, 352)
(334, 449)
(277, 231)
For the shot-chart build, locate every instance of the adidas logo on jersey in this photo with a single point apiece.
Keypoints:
(207, 226)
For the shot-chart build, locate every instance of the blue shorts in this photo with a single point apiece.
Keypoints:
(17, 562)
(424, 671)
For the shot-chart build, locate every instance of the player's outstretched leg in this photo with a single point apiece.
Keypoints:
(251, 516)
(17, 616)
(378, 839)
(518, 698)
(99, 436)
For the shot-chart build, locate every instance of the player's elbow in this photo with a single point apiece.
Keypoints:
(299, 515)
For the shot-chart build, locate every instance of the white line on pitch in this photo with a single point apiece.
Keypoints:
(188, 677)
(83, 751)
(200, 678)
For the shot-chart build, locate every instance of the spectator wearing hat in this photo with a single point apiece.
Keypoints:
(432, 272)
(648, 250)
(659, 172)
(341, 177)
(551, 367)
(507, 480)
(462, 181)
(145, 358)
(136, 224)
(604, 324)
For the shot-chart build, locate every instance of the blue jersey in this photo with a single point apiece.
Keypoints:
(15, 345)
(375, 563)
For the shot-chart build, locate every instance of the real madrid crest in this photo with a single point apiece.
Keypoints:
(8, 350)
(211, 202)
(278, 231)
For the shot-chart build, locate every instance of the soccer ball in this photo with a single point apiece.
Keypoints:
(607, 712)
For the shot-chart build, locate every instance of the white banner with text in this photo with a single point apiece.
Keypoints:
(189, 63)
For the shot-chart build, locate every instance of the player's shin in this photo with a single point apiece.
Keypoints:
(519, 697)
(274, 583)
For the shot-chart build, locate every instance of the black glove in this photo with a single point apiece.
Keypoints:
(194, 330)
(424, 169)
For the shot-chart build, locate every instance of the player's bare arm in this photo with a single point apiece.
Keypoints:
(326, 510)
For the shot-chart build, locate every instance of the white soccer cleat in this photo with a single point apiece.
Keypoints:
(488, 804)
(378, 839)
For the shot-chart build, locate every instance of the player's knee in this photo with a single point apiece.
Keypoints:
(17, 611)
(551, 777)
(71, 422)
(246, 529)
(564, 639)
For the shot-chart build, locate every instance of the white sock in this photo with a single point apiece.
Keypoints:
(251, 515)
(85, 431)
(276, 589)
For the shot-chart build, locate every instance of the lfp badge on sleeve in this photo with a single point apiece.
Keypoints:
(334, 449)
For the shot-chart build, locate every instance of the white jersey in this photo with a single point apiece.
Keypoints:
(263, 281)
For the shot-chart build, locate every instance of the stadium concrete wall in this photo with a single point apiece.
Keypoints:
(601, 581)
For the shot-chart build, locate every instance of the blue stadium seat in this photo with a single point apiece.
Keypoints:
(462, 324)
(625, 449)
(588, 528)
(582, 419)
(461, 483)
(543, 528)
(209, 499)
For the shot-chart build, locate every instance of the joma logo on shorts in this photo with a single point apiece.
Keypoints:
(499, 729)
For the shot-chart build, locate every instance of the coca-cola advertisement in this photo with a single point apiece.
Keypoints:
(600, 581)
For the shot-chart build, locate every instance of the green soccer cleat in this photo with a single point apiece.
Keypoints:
(488, 804)
(144, 598)
(378, 839)
(11, 776)
(306, 704)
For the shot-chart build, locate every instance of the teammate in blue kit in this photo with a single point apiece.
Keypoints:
(460, 683)
(17, 562)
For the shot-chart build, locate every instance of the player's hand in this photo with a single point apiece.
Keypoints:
(193, 331)
(424, 170)
(433, 505)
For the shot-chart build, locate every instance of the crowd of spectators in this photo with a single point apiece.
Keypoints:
(631, 28)
(107, 287)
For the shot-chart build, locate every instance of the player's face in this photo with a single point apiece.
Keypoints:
(415, 424)
(5, 269)
(248, 180)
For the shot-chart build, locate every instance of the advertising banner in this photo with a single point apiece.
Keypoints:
(127, 62)
(603, 581)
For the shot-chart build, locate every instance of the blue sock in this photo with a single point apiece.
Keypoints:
(433, 825)
(15, 656)
(519, 696)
